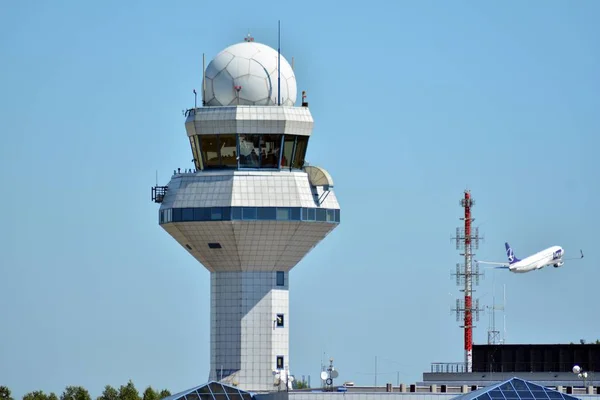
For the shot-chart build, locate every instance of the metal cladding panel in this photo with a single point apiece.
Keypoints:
(249, 119)
(248, 189)
(249, 245)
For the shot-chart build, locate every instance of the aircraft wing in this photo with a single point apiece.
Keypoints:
(492, 263)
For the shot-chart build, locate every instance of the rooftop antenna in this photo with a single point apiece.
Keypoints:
(279, 62)
(504, 336)
(493, 334)
(292, 63)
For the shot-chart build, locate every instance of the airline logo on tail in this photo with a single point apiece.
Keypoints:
(510, 254)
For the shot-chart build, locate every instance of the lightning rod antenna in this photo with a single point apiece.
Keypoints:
(203, 80)
(504, 322)
(279, 62)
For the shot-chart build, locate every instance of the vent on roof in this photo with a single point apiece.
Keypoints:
(214, 245)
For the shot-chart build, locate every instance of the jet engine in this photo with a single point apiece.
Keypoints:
(560, 264)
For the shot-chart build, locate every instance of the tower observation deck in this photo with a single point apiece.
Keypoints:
(250, 209)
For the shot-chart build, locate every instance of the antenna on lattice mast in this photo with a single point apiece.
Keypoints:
(493, 333)
(466, 274)
(504, 314)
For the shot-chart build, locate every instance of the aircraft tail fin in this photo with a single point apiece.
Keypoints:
(510, 254)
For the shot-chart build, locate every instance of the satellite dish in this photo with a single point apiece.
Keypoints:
(323, 375)
(291, 378)
(334, 374)
(576, 369)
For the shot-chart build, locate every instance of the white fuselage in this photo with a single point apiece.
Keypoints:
(550, 256)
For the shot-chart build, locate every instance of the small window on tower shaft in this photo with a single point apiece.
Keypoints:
(280, 278)
(279, 321)
(279, 362)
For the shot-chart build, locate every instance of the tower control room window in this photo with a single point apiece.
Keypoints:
(270, 150)
(209, 145)
(288, 150)
(195, 142)
(300, 151)
(228, 150)
(250, 151)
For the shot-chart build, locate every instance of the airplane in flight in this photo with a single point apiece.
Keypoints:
(551, 256)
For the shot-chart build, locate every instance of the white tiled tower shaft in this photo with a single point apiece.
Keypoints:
(249, 212)
(246, 335)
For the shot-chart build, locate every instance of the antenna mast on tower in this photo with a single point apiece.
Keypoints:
(467, 239)
(493, 333)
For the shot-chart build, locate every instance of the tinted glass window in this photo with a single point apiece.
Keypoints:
(236, 213)
(330, 215)
(195, 140)
(295, 214)
(228, 149)
(283, 213)
(321, 214)
(216, 213)
(280, 278)
(194, 151)
(265, 213)
(288, 149)
(300, 151)
(187, 214)
(250, 151)
(249, 213)
(201, 214)
(269, 151)
(209, 145)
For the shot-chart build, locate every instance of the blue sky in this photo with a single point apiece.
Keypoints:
(413, 103)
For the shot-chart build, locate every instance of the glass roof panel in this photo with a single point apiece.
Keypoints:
(233, 393)
(554, 395)
(212, 391)
(192, 396)
(216, 387)
(496, 394)
(205, 390)
(519, 384)
(525, 394)
(484, 396)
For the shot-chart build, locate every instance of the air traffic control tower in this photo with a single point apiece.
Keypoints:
(250, 210)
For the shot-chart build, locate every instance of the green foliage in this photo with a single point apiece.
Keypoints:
(298, 384)
(5, 393)
(129, 392)
(164, 393)
(125, 392)
(37, 395)
(75, 393)
(109, 393)
(150, 394)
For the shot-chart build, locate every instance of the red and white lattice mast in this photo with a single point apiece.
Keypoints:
(467, 239)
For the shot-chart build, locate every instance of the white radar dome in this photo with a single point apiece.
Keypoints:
(246, 74)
